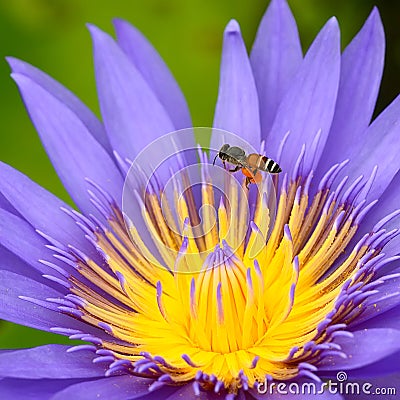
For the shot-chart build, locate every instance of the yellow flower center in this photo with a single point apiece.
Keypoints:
(232, 307)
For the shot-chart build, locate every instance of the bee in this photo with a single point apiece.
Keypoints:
(251, 164)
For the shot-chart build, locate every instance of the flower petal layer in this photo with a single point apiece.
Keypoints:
(30, 199)
(356, 349)
(19, 311)
(237, 105)
(378, 305)
(114, 388)
(6, 205)
(377, 371)
(92, 123)
(388, 203)
(360, 77)
(20, 238)
(75, 154)
(20, 389)
(306, 111)
(132, 114)
(11, 262)
(390, 318)
(49, 361)
(154, 70)
(296, 396)
(380, 147)
(275, 57)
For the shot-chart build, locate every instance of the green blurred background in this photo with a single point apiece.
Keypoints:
(51, 35)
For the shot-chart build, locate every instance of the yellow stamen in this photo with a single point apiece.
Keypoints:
(215, 297)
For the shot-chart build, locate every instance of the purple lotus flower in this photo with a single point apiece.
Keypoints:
(167, 313)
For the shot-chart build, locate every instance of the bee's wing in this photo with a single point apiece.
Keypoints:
(236, 152)
(242, 161)
(263, 162)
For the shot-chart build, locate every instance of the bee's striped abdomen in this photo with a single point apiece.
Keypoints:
(271, 166)
(263, 163)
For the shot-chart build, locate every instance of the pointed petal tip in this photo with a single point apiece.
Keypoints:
(22, 81)
(280, 10)
(90, 26)
(278, 4)
(95, 31)
(232, 27)
(12, 61)
(330, 32)
(98, 36)
(375, 20)
(375, 13)
(17, 65)
(333, 23)
(120, 22)
(17, 77)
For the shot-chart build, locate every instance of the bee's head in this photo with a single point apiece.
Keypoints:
(223, 155)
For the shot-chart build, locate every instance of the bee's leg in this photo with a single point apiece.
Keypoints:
(247, 182)
(235, 169)
(223, 162)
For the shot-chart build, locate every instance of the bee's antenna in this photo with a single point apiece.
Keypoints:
(215, 158)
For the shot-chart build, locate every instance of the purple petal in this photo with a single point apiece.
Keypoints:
(132, 114)
(308, 106)
(23, 312)
(387, 204)
(378, 305)
(154, 70)
(298, 396)
(187, 392)
(66, 97)
(386, 366)
(21, 239)
(114, 388)
(380, 146)
(237, 105)
(49, 361)
(30, 200)
(10, 262)
(360, 77)
(29, 389)
(275, 57)
(361, 384)
(386, 383)
(6, 205)
(74, 152)
(389, 317)
(366, 347)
